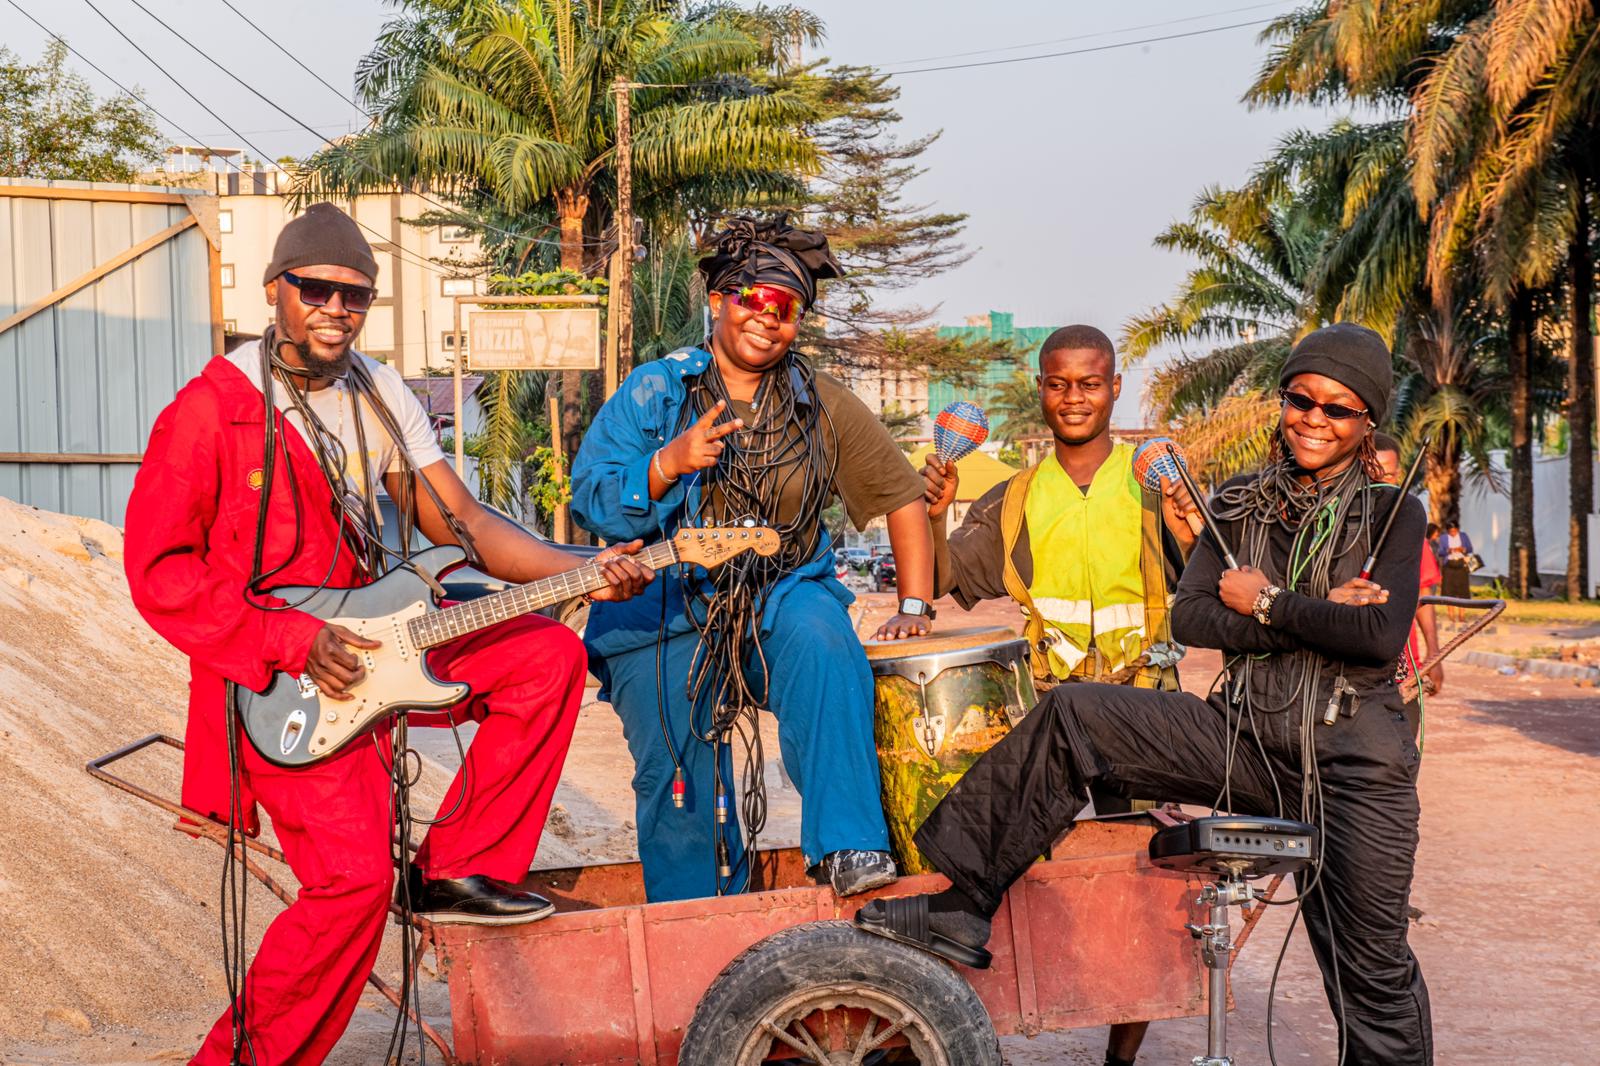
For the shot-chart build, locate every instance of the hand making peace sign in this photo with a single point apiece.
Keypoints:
(698, 447)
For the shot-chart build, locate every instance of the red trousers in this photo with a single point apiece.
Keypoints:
(333, 822)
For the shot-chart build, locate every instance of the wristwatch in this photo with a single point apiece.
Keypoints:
(1262, 608)
(913, 606)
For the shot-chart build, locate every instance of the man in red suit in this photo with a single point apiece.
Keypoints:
(346, 425)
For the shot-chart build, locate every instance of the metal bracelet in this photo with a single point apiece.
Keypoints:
(655, 460)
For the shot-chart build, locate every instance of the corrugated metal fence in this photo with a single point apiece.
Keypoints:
(108, 304)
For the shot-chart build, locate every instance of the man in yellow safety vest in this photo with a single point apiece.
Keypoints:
(1087, 552)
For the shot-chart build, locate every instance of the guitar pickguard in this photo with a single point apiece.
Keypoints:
(293, 723)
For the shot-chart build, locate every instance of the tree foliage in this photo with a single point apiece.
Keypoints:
(53, 127)
(1014, 409)
(1454, 216)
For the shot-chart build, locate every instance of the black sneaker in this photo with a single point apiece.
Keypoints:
(854, 872)
(474, 900)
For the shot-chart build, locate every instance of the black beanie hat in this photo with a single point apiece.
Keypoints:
(1352, 355)
(322, 236)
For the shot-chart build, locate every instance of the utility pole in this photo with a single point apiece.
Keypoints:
(621, 313)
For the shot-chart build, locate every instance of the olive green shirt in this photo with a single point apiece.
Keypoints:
(871, 477)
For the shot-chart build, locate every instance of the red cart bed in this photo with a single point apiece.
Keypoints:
(1091, 937)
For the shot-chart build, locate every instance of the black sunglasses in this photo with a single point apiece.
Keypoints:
(316, 292)
(1301, 402)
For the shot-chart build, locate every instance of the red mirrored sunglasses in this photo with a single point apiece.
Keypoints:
(769, 300)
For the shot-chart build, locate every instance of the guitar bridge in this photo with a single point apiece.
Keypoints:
(308, 687)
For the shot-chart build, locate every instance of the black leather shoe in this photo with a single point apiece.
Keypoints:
(853, 872)
(474, 900)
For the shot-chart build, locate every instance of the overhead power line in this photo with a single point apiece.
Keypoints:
(1081, 36)
(101, 71)
(399, 250)
(1084, 51)
(264, 98)
(293, 58)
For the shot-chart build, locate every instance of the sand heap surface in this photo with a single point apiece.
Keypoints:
(110, 922)
(110, 917)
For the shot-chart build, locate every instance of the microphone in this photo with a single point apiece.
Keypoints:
(1162, 458)
(958, 430)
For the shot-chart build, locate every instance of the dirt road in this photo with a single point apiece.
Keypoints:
(1508, 942)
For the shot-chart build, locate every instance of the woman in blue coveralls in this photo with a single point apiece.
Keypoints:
(745, 429)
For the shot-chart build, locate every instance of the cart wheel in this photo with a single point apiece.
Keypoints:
(826, 994)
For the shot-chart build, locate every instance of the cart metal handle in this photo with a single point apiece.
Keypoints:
(217, 833)
(1491, 610)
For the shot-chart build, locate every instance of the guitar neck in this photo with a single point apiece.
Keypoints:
(438, 627)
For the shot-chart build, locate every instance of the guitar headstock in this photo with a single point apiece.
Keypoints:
(716, 545)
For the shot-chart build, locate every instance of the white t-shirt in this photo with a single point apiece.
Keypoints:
(336, 406)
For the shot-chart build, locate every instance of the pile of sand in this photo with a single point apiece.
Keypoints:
(110, 923)
(110, 916)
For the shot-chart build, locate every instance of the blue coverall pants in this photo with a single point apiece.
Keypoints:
(821, 692)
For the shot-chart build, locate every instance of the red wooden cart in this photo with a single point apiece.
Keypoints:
(1092, 936)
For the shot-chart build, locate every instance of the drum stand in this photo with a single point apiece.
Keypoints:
(1233, 851)
(1216, 946)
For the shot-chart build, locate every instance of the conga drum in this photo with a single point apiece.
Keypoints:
(942, 701)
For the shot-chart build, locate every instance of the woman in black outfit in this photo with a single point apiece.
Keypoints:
(1301, 633)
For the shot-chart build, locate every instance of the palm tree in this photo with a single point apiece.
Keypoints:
(1504, 150)
(669, 298)
(1014, 408)
(1255, 252)
(509, 103)
(1491, 94)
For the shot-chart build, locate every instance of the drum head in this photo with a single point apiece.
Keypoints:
(941, 641)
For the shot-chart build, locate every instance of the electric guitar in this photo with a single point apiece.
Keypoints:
(291, 723)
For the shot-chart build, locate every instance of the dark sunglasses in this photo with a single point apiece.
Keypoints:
(769, 300)
(1301, 402)
(316, 292)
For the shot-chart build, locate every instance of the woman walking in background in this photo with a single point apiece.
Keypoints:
(1454, 549)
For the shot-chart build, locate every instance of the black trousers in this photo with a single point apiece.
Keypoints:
(1018, 799)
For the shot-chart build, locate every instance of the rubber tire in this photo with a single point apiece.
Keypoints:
(828, 953)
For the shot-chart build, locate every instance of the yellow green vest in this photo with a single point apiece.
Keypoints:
(1098, 597)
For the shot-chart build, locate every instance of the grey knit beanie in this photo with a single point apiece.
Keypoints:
(322, 236)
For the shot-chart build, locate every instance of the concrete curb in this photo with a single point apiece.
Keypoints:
(1551, 668)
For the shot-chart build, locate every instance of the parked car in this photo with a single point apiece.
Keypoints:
(469, 584)
(855, 558)
(883, 573)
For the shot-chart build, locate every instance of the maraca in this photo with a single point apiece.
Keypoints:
(958, 430)
(1161, 459)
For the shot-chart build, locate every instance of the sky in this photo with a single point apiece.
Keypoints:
(1067, 166)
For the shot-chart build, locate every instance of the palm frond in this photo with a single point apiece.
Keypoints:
(1447, 110)
(1230, 439)
(1528, 38)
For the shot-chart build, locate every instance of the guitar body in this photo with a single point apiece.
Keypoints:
(291, 723)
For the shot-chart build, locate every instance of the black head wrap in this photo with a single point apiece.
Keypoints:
(1352, 355)
(769, 251)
